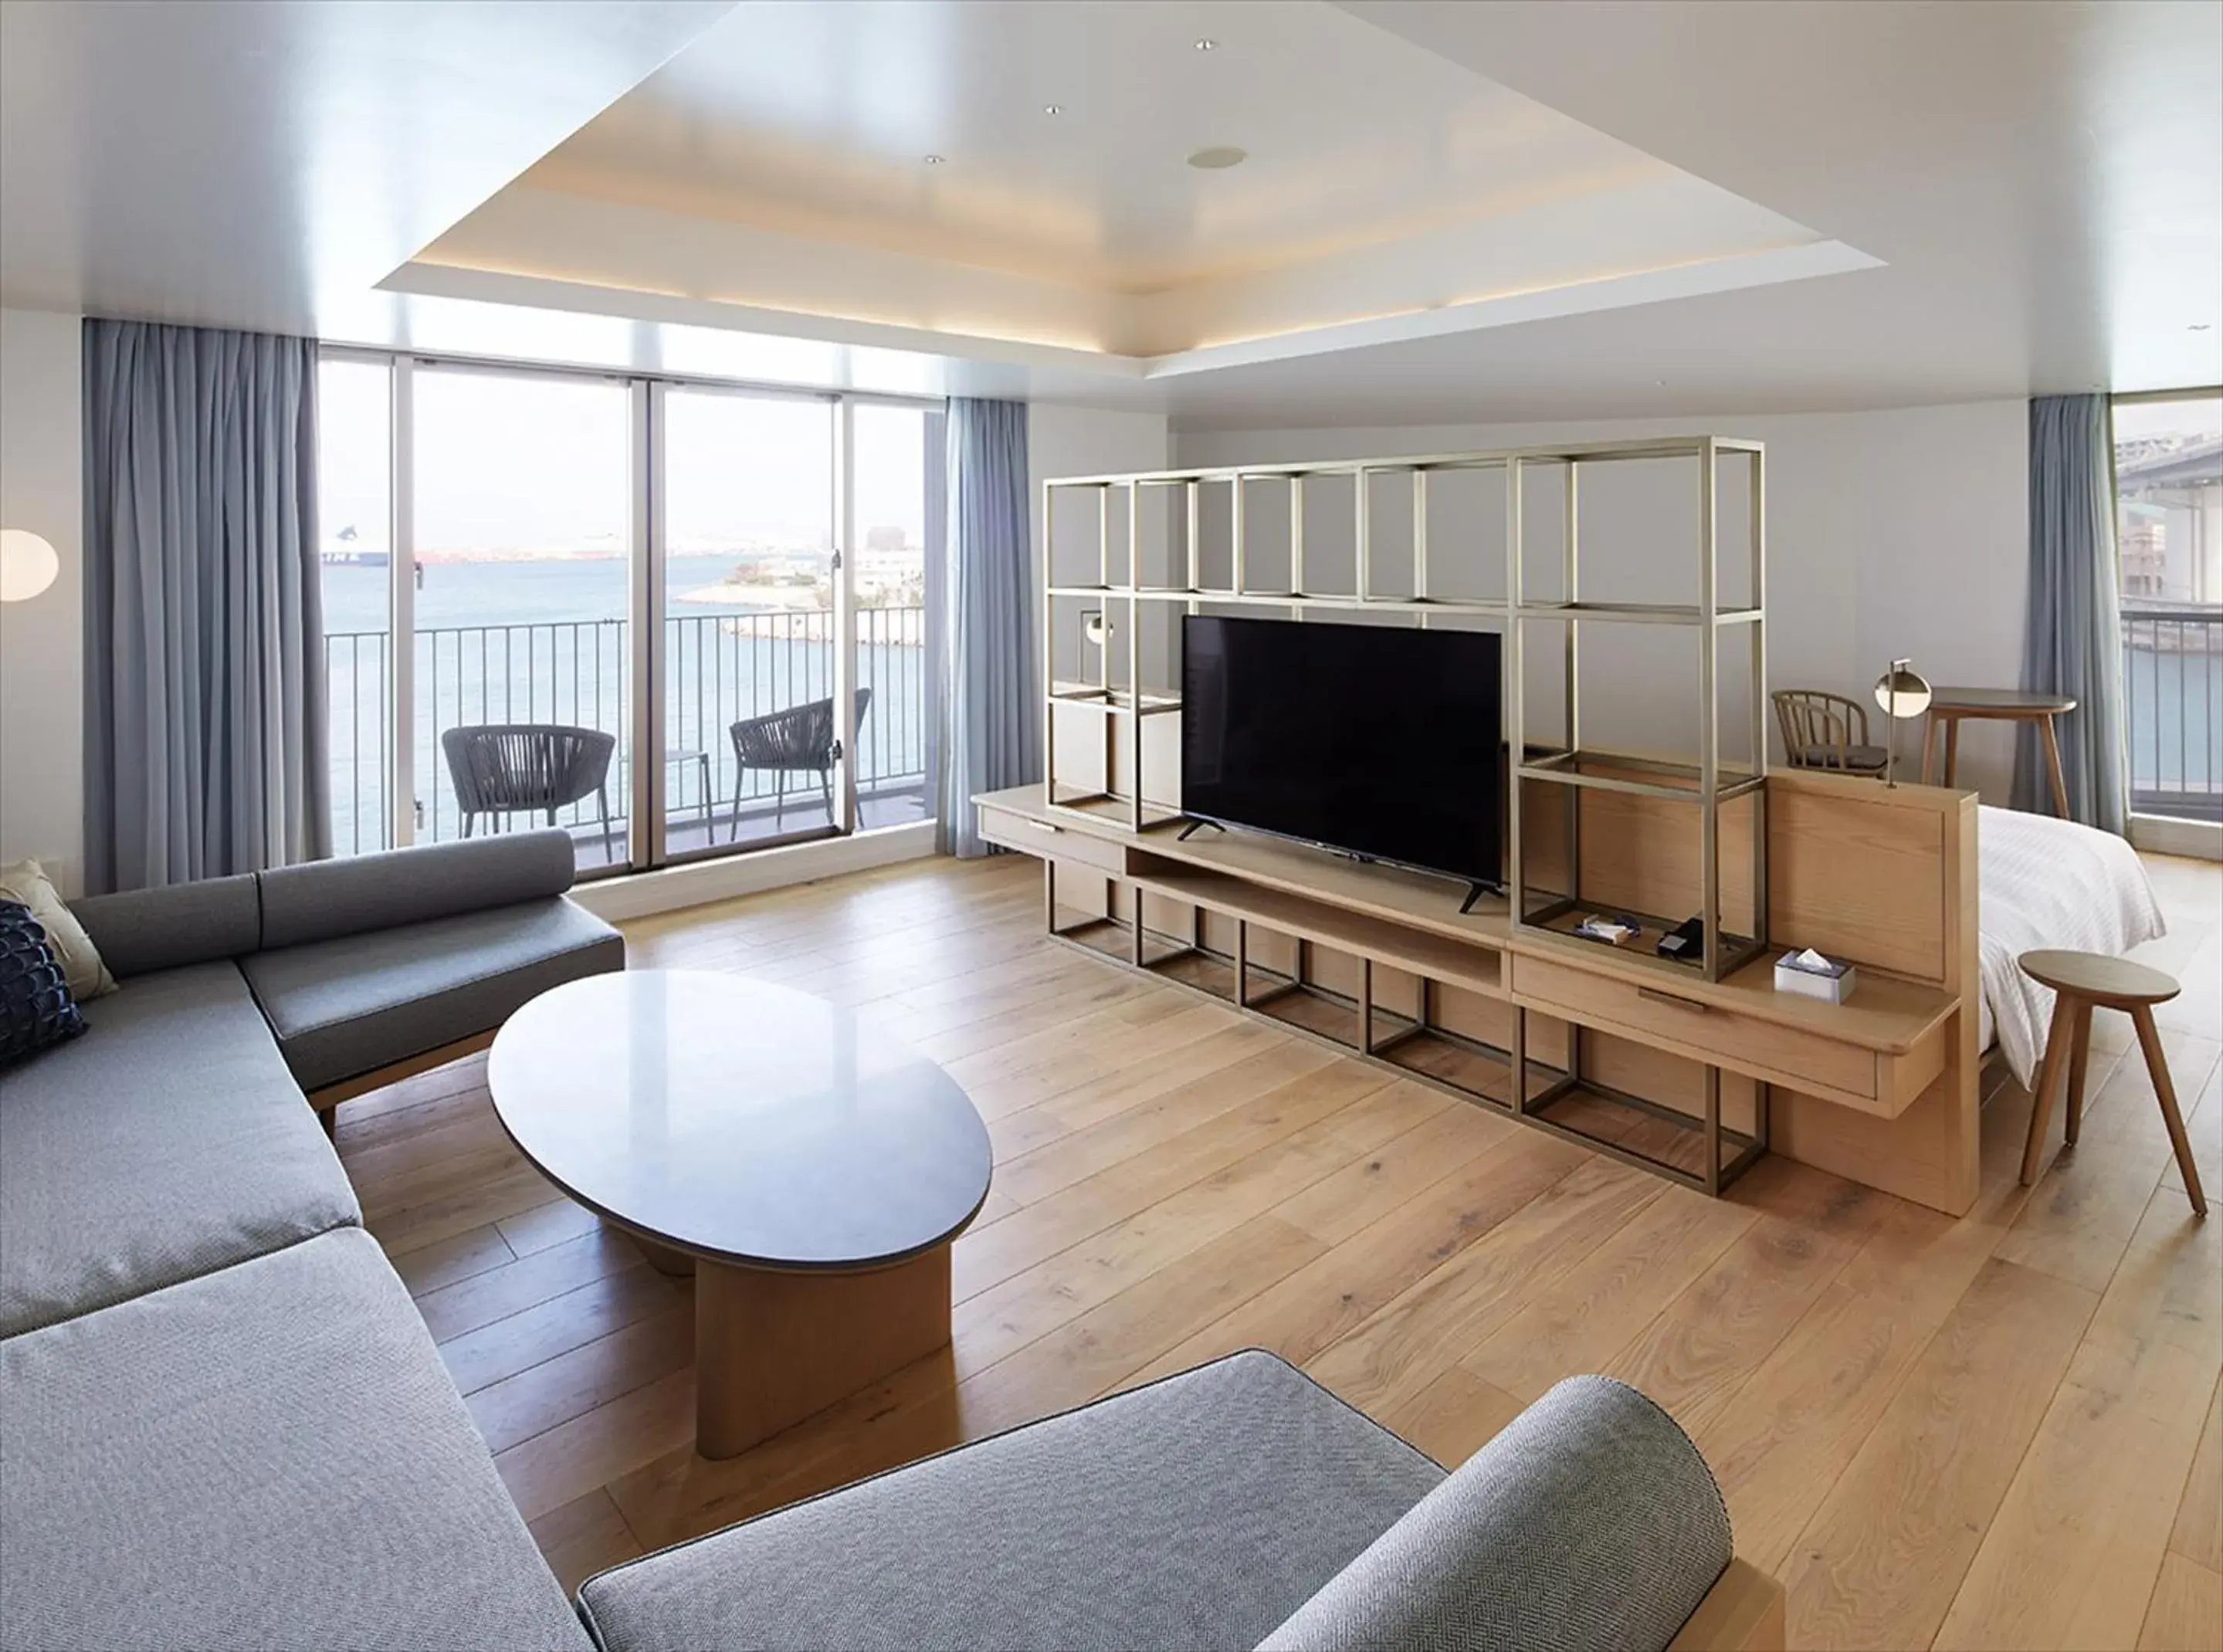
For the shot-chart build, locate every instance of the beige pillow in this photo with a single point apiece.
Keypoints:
(88, 977)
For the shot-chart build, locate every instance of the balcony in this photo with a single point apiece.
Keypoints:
(2173, 704)
(719, 670)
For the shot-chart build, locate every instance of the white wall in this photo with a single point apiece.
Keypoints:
(42, 641)
(1890, 533)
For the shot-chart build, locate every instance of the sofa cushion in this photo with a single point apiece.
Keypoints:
(1590, 1521)
(347, 1007)
(168, 1141)
(36, 1010)
(324, 900)
(1199, 1511)
(140, 931)
(271, 1457)
(89, 977)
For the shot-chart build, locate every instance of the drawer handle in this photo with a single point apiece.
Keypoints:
(1040, 825)
(1652, 995)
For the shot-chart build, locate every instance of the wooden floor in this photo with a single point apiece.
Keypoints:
(2002, 1431)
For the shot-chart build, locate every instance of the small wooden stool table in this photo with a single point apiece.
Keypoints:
(1948, 707)
(2082, 982)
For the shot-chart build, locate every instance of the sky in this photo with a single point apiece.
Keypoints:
(505, 460)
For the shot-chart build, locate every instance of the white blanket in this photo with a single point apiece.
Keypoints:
(2044, 882)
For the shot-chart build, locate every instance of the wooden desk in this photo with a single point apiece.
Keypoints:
(1948, 707)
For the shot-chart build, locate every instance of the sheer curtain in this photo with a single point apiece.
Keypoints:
(204, 682)
(990, 702)
(2074, 641)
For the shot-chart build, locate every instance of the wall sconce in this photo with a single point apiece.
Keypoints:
(1903, 692)
(27, 565)
(1095, 627)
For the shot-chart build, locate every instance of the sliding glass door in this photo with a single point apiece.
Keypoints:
(754, 748)
(677, 620)
(2168, 536)
(523, 543)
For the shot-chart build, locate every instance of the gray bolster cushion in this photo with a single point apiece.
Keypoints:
(141, 931)
(325, 900)
(1590, 1521)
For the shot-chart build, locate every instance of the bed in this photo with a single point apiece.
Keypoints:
(2047, 882)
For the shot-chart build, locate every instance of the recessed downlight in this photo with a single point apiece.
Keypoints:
(935, 161)
(1053, 109)
(1219, 157)
(1203, 45)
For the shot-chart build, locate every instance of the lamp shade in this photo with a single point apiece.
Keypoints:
(1902, 691)
(27, 565)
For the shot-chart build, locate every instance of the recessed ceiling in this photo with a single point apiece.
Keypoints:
(811, 118)
(2035, 192)
(891, 161)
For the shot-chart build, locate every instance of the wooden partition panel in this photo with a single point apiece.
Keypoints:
(1860, 872)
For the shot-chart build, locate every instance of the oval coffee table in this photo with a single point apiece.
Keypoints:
(809, 1171)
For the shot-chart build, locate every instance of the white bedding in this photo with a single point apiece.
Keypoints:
(2044, 882)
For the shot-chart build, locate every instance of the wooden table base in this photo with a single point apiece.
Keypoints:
(772, 1348)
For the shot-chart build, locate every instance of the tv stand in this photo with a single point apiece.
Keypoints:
(1634, 1057)
(1195, 827)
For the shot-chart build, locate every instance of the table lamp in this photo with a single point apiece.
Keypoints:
(1902, 692)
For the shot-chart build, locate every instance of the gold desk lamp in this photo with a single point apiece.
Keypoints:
(1903, 692)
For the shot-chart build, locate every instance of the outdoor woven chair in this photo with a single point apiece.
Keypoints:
(520, 768)
(799, 739)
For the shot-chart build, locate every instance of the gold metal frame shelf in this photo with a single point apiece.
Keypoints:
(1707, 785)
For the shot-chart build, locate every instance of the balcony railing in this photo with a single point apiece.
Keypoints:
(2173, 704)
(719, 670)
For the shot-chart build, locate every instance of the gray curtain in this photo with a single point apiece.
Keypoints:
(2074, 642)
(204, 684)
(991, 700)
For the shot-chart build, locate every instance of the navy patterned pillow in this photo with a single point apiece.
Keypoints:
(36, 1010)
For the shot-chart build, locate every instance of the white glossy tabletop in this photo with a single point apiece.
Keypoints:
(734, 1119)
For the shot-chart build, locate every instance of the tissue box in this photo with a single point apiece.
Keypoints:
(1832, 987)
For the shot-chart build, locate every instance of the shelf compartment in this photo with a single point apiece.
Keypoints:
(1462, 964)
(1701, 1153)
(1230, 598)
(1640, 952)
(1118, 700)
(1642, 614)
(1309, 1008)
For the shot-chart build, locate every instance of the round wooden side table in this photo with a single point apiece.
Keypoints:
(2082, 982)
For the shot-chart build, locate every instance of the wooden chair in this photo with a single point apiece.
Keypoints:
(2082, 982)
(1825, 731)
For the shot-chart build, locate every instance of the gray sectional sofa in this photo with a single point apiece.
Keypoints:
(221, 1420)
(224, 1424)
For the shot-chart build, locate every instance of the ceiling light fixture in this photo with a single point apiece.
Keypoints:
(1219, 157)
(933, 160)
(2197, 327)
(1053, 109)
(1207, 45)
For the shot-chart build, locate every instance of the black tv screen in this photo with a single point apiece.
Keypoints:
(1381, 741)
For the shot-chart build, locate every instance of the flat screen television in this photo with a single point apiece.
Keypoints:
(1382, 742)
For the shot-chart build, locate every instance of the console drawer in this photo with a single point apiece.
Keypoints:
(1048, 839)
(1769, 1050)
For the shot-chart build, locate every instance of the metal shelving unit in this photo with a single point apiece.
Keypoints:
(1549, 1096)
(1706, 783)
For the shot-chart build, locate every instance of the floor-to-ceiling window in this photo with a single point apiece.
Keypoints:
(354, 500)
(595, 568)
(2169, 534)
